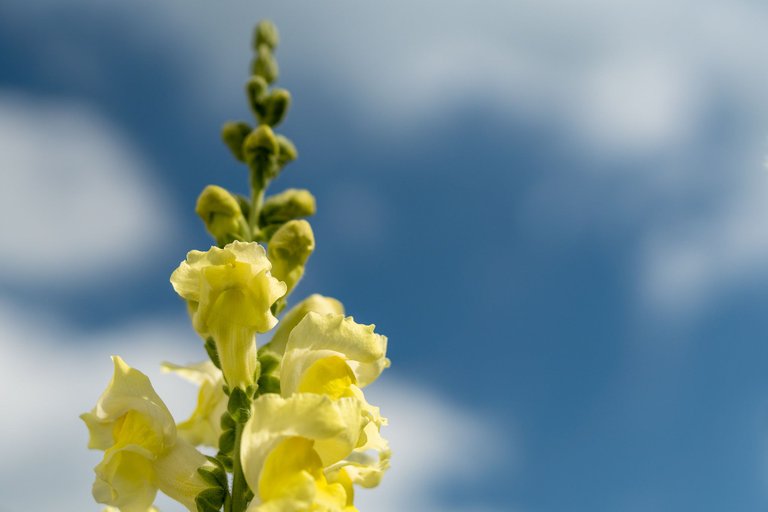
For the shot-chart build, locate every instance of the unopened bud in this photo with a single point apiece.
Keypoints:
(275, 107)
(266, 33)
(233, 134)
(290, 204)
(288, 250)
(256, 92)
(265, 64)
(288, 152)
(260, 150)
(220, 213)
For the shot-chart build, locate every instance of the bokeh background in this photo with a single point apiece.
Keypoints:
(556, 210)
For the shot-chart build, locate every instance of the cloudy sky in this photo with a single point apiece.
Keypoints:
(556, 210)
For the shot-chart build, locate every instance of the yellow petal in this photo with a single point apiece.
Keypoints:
(203, 426)
(310, 416)
(320, 336)
(317, 303)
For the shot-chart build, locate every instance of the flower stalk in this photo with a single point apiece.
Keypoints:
(289, 417)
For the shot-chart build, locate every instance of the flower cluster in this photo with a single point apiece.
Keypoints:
(288, 419)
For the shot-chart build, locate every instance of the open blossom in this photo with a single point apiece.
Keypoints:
(332, 355)
(230, 292)
(288, 443)
(142, 453)
(203, 427)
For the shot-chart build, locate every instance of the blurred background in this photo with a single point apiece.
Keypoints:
(557, 212)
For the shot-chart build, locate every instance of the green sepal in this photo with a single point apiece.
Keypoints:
(226, 460)
(210, 500)
(275, 106)
(216, 477)
(239, 405)
(226, 421)
(269, 362)
(269, 384)
(213, 354)
(216, 462)
(227, 441)
(233, 134)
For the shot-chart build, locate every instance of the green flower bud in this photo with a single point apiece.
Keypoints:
(288, 152)
(275, 107)
(233, 134)
(266, 34)
(260, 149)
(288, 205)
(221, 214)
(256, 92)
(288, 250)
(265, 65)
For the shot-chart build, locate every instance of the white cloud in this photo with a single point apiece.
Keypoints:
(55, 371)
(77, 200)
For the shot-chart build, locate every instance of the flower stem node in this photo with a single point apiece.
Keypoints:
(221, 214)
(288, 250)
(266, 34)
(233, 134)
(290, 204)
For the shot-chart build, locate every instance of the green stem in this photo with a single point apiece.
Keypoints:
(258, 187)
(239, 485)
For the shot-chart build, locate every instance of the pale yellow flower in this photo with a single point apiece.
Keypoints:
(230, 292)
(203, 427)
(288, 443)
(334, 356)
(141, 450)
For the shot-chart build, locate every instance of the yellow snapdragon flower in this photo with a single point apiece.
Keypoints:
(230, 292)
(334, 356)
(280, 457)
(203, 427)
(142, 453)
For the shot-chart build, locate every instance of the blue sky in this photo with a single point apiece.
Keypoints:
(555, 210)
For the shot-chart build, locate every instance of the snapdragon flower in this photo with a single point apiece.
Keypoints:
(280, 457)
(334, 356)
(142, 453)
(230, 292)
